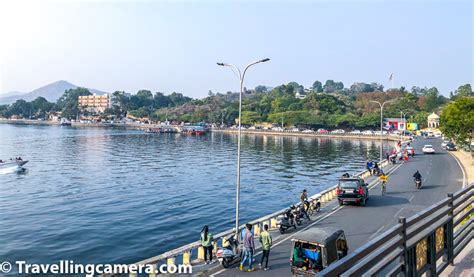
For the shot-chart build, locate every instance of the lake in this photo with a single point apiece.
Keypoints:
(96, 195)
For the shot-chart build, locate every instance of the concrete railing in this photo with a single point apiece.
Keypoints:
(194, 252)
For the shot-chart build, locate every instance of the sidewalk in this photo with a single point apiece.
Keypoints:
(463, 263)
(467, 162)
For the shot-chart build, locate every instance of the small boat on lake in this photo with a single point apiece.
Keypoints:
(65, 122)
(12, 164)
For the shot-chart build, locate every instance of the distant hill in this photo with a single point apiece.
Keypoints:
(51, 92)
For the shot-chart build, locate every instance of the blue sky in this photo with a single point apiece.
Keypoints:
(174, 46)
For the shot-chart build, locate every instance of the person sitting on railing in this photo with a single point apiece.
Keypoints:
(369, 166)
(376, 169)
(206, 242)
(345, 175)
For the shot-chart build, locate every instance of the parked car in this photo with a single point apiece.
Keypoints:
(322, 131)
(368, 132)
(352, 190)
(451, 147)
(308, 131)
(444, 143)
(337, 131)
(279, 129)
(295, 129)
(356, 132)
(428, 149)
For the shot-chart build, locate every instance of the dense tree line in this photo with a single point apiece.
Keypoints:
(327, 105)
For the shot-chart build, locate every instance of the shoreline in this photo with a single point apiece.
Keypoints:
(135, 126)
(301, 134)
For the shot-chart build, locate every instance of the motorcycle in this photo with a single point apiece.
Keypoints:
(286, 221)
(230, 251)
(300, 214)
(418, 183)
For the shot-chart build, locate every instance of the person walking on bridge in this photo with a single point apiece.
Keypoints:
(249, 248)
(266, 241)
(206, 242)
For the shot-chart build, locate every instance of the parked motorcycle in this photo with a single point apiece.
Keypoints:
(286, 221)
(230, 251)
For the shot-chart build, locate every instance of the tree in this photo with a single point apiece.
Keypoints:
(329, 86)
(457, 120)
(21, 108)
(250, 118)
(69, 102)
(317, 86)
(462, 91)
(261, 89)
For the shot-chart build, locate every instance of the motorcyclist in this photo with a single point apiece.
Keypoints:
(417, 175)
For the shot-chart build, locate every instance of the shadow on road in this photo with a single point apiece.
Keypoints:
(385, 200)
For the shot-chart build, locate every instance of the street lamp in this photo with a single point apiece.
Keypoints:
(381, 124)
(241, 77)
(403, 118)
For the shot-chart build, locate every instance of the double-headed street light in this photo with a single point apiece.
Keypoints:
(241, 77)
(381, 124)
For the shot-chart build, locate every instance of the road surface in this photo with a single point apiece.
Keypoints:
(441, 174)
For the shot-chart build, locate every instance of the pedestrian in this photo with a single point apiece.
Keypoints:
(370, 164)
(387, 156)
(249, 248)
(266, 241)
(206, 242)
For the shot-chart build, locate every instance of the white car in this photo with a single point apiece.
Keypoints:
(356, 132)
(444, 143)
(308, 131)
(338, 131)
(428, 149)
(368, 132)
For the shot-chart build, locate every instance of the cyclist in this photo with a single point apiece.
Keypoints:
(384, 179)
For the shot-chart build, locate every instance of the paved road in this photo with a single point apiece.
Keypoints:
(441, 174)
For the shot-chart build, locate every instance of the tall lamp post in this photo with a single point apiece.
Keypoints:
(403, 117)
(381, 124)
(241, 77)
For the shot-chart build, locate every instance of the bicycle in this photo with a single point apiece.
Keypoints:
(383, 187)
(314, 207)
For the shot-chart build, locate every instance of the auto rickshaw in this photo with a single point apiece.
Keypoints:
(315, 249)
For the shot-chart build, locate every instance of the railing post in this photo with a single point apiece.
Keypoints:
(432, 253)
(450, 230)
(405, 259)
(187, 258)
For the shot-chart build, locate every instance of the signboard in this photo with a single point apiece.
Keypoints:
(412, 126)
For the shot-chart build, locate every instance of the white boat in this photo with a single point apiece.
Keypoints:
(12, 164)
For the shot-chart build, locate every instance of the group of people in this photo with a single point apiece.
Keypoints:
(372, 167)
(265, 239)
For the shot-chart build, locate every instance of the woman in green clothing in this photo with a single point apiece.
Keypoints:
(206, 242)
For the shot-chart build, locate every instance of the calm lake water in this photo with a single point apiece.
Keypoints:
(95, 195)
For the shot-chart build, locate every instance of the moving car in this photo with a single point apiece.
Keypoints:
(352, 190)
(428, 149)
(451, 147)
(444, 143)
(315, 249)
